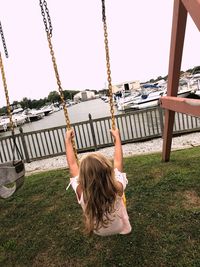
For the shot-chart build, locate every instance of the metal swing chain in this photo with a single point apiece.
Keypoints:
(109, 71)
(49, 35)
(6, 93)
(4, 77)
(3, 41)
(108, 65)
(48, 26)
(9, 109)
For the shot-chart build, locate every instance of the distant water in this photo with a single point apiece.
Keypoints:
(77, 113)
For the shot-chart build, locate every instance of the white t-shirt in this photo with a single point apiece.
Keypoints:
(119, 223)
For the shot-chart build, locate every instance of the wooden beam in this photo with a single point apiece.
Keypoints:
(193, 7)
(167, 134)
(176, 50)
(183, 105)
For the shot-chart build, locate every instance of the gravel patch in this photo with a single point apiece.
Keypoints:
(132, 149)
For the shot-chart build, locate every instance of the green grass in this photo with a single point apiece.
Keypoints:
(41, 225)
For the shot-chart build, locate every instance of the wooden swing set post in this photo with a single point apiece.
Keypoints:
(170, 102)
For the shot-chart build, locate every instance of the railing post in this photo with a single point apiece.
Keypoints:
(24, 145)
(92, 131)
(160, 110)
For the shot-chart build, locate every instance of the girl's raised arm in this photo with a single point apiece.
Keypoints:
(70, 156)
(118, 154)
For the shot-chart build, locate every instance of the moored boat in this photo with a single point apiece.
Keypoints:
(34, 114)
(151, 99)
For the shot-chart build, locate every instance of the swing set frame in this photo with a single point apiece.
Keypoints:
(171, 103)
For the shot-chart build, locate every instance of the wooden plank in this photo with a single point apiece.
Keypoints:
(47, 142)
(51, 143)
(29, 145)
(122, 132)
(97, 131)
(143, 123)
(193, 7)
(167, 134)
(179, 122)
(8, 150)
(54, 137)
(76, 137)
(182, 105)
(151, 115)
(131, 127)
(102, 132)
(38, 144)
(80, 136)
(1, 158)
(176, 50)
(34, 146)
(139, 123)
(106, 132)
(4, 153)
(156, 119)
(42, 142)
(84, 134)
(147, 120)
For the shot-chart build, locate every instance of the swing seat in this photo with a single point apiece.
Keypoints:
(11, 172)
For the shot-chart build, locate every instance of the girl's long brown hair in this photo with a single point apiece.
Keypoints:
(99, 187)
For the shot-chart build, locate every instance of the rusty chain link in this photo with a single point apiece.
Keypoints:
(58, 81)
(109, 72)
(3, 41)
(46, 17)
(49, 35)
(6, 94)
(108, 65)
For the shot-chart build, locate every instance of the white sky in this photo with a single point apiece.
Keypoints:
(139, 40)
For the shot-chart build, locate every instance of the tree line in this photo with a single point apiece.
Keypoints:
(53, 97)
(192, 71)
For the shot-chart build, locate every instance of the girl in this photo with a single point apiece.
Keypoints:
(99, 188)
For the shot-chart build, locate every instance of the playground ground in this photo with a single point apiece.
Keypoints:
(41, 225)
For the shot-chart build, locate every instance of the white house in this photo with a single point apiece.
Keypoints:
(126, 86)
(84, 96)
